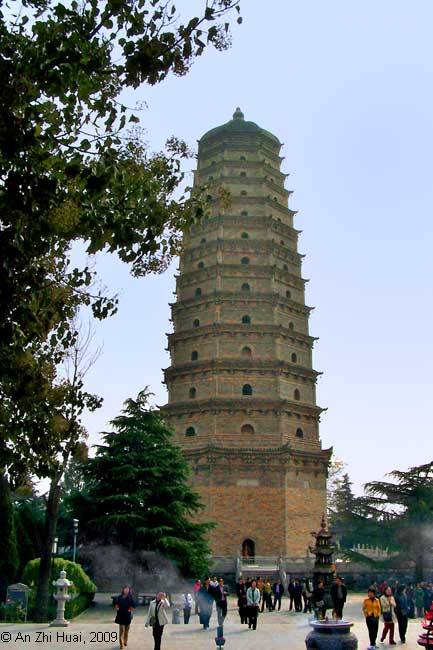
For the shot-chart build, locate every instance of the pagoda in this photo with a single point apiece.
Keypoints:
(241, 386)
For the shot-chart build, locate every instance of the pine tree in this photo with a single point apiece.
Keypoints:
(136, 491)
(405, 507)
(8, 542)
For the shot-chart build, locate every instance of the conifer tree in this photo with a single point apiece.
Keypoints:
(136, 491)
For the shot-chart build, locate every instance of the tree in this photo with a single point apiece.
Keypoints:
(8, 542)
(70, 171)
(405, 508)
(136, 492)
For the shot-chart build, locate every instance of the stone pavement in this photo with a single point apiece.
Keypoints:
(95, 630)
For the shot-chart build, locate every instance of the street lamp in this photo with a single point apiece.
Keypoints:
(76, 522)
(53, 554)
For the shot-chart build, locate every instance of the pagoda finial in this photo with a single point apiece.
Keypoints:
(238, 115)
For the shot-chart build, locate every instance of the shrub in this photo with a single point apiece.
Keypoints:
(82, 591)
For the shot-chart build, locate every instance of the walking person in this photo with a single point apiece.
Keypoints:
(124, 604)
(291, 590)
(371, 610)
(205, 603)
(318, 599)
(196, 589)
(401, 612)
(419, 600)
(187, 607)
(298, 596)
(157, 617)
(241, 592)
(221, 594)
(253, 602)
(278, 590)
(267, 595)
(338, 595)
(387, 604)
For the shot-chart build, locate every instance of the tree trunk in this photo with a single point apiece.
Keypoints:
(419, 567)
(51, 517)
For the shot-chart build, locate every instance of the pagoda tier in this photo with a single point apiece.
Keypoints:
(241, 383)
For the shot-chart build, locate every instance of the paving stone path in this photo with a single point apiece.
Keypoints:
(95, 630)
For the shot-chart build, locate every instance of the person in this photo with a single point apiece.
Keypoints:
(410, 595)
(253, 602)
(401, 612)
(267, 595)
(213, 586)
(387, 604)
(221, 595)
(241, 592)
(124, 604)
(371, 610)
(307, 591)
(205, 602)
(187, 607)
(419, 600)
(196, 589)
(157, 617)
(318, 599)
(298, 596)
(291, 590)
(338, 595)
(278, 590)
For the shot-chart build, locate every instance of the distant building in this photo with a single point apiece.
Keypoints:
(242, 389)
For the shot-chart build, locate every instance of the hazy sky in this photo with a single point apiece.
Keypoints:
(347, 86)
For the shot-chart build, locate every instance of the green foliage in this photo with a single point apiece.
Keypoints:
(136, 491)
(73, 170)
(12, 613)
(29, 525)
(405, 509)
(8, 542)
(75, 572)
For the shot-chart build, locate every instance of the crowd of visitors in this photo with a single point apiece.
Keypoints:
(393, 603)
(396, 603)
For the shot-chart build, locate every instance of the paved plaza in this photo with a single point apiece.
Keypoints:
(275, 631)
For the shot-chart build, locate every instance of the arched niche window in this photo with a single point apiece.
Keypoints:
(299, 433)
(275, 199)
(194, 355)
(242, 158)
(246, 320)
(288, 294)
(297, 394)
(192, 393)
(247, 429)
(245, 286)
(294, 357)
(198, 292)
(244, 235)
(196, 323)
(200, 265)
(245, 260)
(247, 389)
(242, 174)
(243, 193)
(248, 548)
(247, 352)
(285, 267)
(282, 242)
(203, 240)
(244, 213)
(291, 326)
(190, 432)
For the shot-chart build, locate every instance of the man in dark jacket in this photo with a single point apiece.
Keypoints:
(221, 594)
(338, 595)
(298, 596)
(278, 590)
(291, 590)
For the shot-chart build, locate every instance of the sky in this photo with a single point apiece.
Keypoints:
(347, 87)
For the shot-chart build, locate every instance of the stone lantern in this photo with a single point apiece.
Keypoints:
(61, 596)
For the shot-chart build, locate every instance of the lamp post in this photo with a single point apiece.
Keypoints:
(53, 553)
(74, 553)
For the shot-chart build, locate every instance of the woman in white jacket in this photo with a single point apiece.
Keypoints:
(157, 617)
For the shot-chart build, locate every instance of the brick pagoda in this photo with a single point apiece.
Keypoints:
(242, 389)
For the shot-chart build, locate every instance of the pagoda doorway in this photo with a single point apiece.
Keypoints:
(248, 548)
